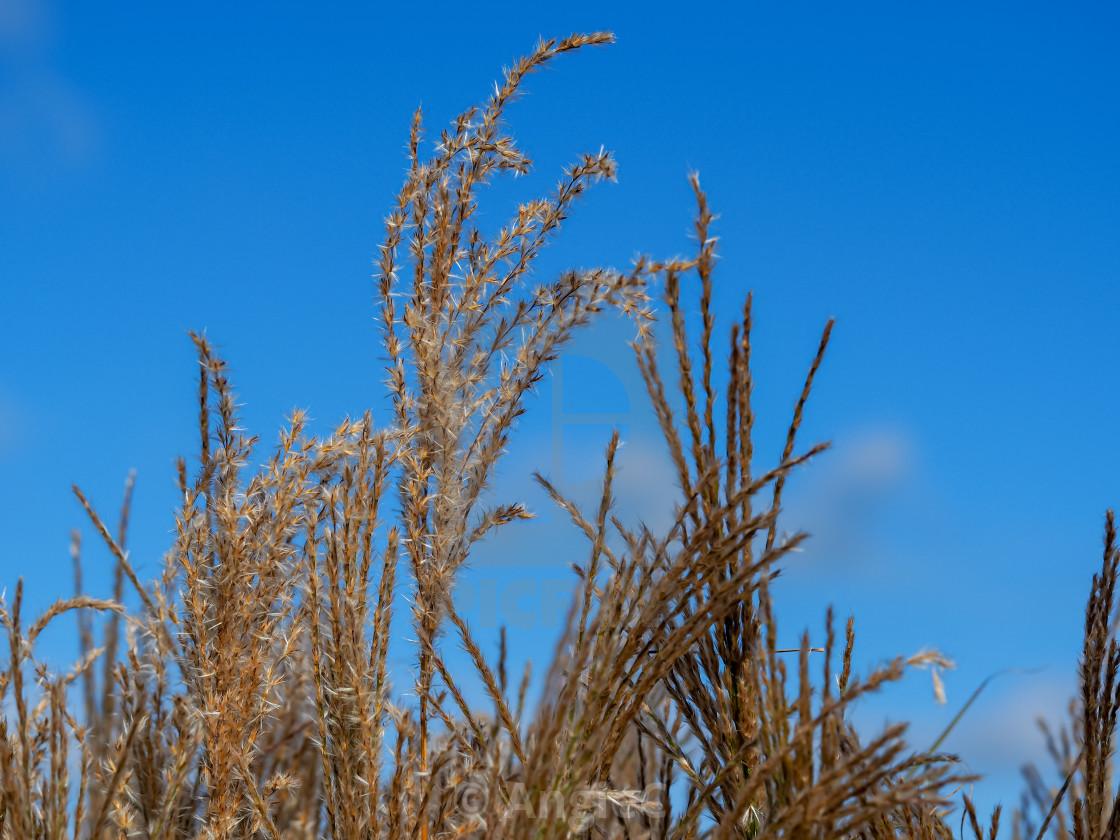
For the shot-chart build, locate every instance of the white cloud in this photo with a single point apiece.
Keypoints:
(9, 423)
(1001, 733)
(22, 22)
(47, 125)
(841, 497)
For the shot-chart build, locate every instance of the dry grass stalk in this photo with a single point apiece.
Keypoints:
(249, 695)
(1083, 802)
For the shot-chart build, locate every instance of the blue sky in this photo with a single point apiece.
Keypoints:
(943, 179)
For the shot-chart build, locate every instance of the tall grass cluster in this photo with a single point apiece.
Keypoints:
(248, 695)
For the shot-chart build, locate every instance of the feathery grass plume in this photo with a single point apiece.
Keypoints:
(472, 339)
(248, 693)
(679, 654)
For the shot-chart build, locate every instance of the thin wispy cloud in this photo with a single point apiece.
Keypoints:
(48, 126)
(8, 424)
(842, 496)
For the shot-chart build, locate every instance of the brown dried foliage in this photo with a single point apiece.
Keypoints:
(249, 696)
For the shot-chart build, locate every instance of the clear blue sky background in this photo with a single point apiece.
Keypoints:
(944, 179)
